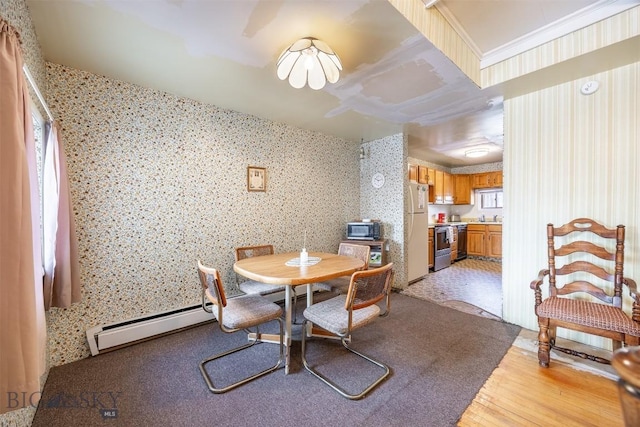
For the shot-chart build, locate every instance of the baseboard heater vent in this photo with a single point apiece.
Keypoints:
(116, 335)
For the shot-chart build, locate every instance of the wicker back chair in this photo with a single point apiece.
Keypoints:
(344, 313)
(341, 284)
(235, 314)
(249, 286)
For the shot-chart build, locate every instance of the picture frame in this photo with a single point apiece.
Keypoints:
(256, 178)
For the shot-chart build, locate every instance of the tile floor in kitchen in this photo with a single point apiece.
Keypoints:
(470, 285)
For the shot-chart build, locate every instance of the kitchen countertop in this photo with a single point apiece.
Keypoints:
(443, 224)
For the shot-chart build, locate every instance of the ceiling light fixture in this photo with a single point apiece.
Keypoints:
(476, 152)
(428, 4)
(309, 60)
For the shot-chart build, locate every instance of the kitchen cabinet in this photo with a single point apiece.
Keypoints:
(487, 180)
(497, 179)
(462, 194)
(431, 176)
(413, 173)
(423, 175)
(484, 240)
(447, 188)
(443, 187)
(454, 245)
(439, 187)
(476, 239)
(432, 253)
(494, 241)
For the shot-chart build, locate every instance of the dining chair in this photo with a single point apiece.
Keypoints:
(236, 314)
(342, 314)
(341, 284)
(249, 286)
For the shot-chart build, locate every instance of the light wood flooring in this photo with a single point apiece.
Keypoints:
(568, 393)
(571, 392)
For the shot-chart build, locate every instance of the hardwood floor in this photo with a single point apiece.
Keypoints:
(521, 393)
(571, 392)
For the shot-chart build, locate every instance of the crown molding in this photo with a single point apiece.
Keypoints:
(582, 18)
(458, 28)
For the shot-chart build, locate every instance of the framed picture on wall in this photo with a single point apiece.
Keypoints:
(256, 178)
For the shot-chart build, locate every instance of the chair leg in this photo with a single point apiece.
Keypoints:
(544, 343)
(333, 385)
(209, 381)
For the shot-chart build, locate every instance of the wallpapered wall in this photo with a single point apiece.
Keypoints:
(159, 182)
(387, 156)
(569, 156)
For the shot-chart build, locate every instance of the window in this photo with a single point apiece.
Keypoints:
(491, 199)
(38, 137)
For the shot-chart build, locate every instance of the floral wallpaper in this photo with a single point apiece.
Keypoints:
(159, 182)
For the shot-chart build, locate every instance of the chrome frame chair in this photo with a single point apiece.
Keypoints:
(235, 314)
(341, 284)
(343, 314)
(249, 286)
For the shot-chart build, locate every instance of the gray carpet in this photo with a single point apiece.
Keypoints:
(440, 359)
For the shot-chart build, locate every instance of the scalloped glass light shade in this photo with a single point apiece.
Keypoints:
(309, 61)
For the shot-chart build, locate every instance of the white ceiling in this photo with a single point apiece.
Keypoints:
(223, 52)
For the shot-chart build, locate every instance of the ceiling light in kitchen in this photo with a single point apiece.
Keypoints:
(311, 61)
(476, 152)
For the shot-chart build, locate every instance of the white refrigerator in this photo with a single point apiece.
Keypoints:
(418, 232)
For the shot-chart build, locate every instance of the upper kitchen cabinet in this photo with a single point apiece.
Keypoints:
(487, 180)
(447, 188)
(413, 173)
(443, 188)
(425, 175)
(462, 193)
(438, 187)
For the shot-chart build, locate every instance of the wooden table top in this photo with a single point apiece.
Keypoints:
(272, 269)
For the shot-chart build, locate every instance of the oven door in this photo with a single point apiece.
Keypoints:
(441, 241)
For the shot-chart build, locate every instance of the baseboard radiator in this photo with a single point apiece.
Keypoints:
(116, 335)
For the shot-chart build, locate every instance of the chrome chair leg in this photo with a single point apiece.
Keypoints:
(208, 379)
(332, 384)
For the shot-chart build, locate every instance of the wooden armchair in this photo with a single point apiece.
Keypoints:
(585, 288)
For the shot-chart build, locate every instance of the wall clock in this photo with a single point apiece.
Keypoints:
(377, 180)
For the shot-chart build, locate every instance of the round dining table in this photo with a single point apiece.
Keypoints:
(286, 269)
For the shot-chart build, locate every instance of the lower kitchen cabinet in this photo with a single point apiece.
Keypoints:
(484, 240)
(475, 239)
(494, 241)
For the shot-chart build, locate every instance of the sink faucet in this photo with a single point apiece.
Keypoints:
(482, 218)
(495, 218)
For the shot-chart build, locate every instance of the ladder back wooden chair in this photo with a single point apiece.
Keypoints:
(585, 288)
(233, 315)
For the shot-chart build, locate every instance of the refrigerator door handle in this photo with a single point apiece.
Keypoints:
(411, 212)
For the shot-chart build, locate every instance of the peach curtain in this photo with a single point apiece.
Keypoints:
(22, 320)
(61, 271)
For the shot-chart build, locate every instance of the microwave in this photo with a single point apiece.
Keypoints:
(364, 230)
